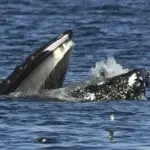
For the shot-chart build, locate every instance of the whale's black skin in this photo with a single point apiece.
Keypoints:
(28, 71)
(130, 86)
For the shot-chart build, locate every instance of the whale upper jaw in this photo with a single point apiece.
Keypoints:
(46, 68)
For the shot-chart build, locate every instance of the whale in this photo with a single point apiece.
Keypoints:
(44, 69)
(42, 74)
(130, 86)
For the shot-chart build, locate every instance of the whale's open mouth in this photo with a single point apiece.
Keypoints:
(45, 68)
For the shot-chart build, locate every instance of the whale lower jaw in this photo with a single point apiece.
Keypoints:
(50, 73)
(44, 69)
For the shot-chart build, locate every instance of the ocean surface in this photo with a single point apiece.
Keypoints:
(119, 29)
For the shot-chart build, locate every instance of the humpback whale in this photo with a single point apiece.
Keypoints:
(44, 69)
(43, 73)
(130, 86)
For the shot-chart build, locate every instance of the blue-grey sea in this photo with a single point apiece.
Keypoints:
(101, 28)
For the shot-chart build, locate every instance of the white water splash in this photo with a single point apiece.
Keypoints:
(90, 96)
(109, 67)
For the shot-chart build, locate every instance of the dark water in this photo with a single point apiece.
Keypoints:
(118, 28)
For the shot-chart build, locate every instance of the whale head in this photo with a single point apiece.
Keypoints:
(44, 69)
(130, 86)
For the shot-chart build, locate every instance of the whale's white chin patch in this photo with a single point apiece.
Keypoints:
(132, 79)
